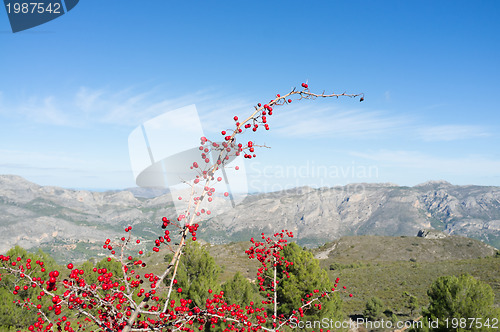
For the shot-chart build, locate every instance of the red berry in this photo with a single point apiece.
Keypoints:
(235, 118)
(223, 132)
(289, 100)
(70, 266)
(179, 290)
(304, 85)
(259, 104)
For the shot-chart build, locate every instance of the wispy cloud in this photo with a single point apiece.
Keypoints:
(45, 110)
(472, 165)
(129, 107)
(218, 114)
(307, 121)
(66, 170)
(313, 122)
(125, 108)
(37, 109)
(451, 132)
(387, 95)
(13, 159)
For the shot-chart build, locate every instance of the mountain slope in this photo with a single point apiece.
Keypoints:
(59, 219)
(370, 209)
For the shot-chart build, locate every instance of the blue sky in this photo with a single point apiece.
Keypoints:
(73, 89)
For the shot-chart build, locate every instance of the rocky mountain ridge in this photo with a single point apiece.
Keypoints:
(35, 216)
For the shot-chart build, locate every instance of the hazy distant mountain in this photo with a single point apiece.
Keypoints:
(58, 219)
(146, 192)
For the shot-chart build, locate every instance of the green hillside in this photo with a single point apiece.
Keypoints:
(386, 267)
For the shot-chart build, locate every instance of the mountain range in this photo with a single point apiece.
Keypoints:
(73, 224)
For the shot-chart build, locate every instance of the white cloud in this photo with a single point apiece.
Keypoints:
(387, 95)
(86, 98)
(47, 160)
(131, 108)
(125, 108)
(471, 165)
(308, 121)
(67, 170)
(451, 132)
(45, 110)
(218, 114)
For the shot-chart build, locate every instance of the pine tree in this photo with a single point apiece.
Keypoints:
(15, 316)
(239, 290)
(196, 273)
(374, 308)
(306, 274)
(460, 298)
